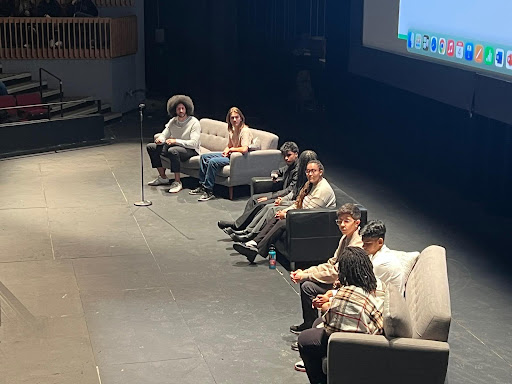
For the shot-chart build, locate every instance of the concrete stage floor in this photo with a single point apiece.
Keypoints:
(93, 288)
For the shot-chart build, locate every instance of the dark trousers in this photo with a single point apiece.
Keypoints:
(308, 291)
(269, 234)
(174, 153)
(313, 348)
(251, 209)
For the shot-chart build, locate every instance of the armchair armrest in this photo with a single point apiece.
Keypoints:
(265, 184)
(403, 360)
(253, 164)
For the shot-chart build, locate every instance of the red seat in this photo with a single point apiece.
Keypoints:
(31, 99)
(8, 101)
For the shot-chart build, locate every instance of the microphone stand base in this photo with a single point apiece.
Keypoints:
(143, 203)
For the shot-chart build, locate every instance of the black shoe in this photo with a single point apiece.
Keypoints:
(207, 195)
(225, 224)
(198, 191)
(243, 238)
(247, 251)
(295, 346)
(299, 328)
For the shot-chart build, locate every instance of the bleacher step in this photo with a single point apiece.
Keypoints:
(8, 78)
(24, 87)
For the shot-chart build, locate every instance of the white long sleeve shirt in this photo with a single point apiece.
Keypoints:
(187, 133)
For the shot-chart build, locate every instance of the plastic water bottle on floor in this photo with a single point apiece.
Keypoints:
(272, 257)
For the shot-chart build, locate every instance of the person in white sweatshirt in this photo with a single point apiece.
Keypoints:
(179, 141)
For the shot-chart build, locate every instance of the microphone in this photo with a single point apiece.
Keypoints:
(142, 106)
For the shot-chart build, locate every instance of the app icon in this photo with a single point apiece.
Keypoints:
(499, 58)
(459, 50)
(417, 43)
(489, 55)
(410, 40)
(426, 39)
(509, 59)
(479, 53)
(469, 51)
(451, 48)
(433, 44)
(442, 46)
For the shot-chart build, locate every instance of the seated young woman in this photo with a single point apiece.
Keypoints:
(240, 138)
(316, 193)
(355, 308)
(268, 212)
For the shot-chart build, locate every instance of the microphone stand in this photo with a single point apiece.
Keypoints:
(142, 202)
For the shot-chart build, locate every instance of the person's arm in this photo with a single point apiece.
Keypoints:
(165, 134)
(291, 184)
(195, 136)
(245, 141)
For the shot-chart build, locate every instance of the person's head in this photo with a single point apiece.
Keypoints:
(304, 158)
(349, 218)
(355, 268)
(180, 106)
(235, 118)
(290, 152)
(314, 171)
(373, 235)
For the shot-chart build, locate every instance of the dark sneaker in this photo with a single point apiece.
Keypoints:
(198, 191)
(207, 195)
(247, 251)
(299, 328)
(225, 224)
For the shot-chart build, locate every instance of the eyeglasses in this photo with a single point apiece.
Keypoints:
(346, 221)
(308, 171)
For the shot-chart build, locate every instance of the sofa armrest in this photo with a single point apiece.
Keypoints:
(402, 360)
(265, 184)
(260, 163)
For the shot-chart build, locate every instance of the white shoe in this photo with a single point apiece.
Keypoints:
(158, 181)
(252, 243)
(176, 186)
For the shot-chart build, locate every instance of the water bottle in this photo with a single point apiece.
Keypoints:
(272, 257)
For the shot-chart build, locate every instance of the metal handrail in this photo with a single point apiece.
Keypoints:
(41, 87)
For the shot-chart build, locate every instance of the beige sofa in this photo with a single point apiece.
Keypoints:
(415, 349)
(259, 161)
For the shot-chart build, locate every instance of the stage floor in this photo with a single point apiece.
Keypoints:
(92, 287)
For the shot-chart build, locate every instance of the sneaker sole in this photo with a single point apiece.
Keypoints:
(206, 198)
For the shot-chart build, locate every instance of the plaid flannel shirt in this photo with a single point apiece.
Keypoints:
(354, 310)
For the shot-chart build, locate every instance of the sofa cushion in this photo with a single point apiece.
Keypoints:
(397, 318)
(407, 260)
(214, 135)
(428, 296)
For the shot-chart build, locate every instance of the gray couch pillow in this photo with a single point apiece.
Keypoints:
(397, 318)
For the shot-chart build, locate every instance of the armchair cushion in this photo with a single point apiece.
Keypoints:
(397, 319)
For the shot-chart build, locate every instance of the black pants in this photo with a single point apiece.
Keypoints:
(313, 348)
(251, 209)
(308, 291)
(269, 234)
(174, 153)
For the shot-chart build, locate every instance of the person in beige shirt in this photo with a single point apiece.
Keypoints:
(240, 138)
(320, 278)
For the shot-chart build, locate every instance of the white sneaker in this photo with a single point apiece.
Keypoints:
(176, 186)
(158, 181)
(251, 243)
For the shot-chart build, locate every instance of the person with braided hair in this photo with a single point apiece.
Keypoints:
(357, 307)
(316, 193)
(268, 212)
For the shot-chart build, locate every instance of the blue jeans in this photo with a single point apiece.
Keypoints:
(209, 165)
